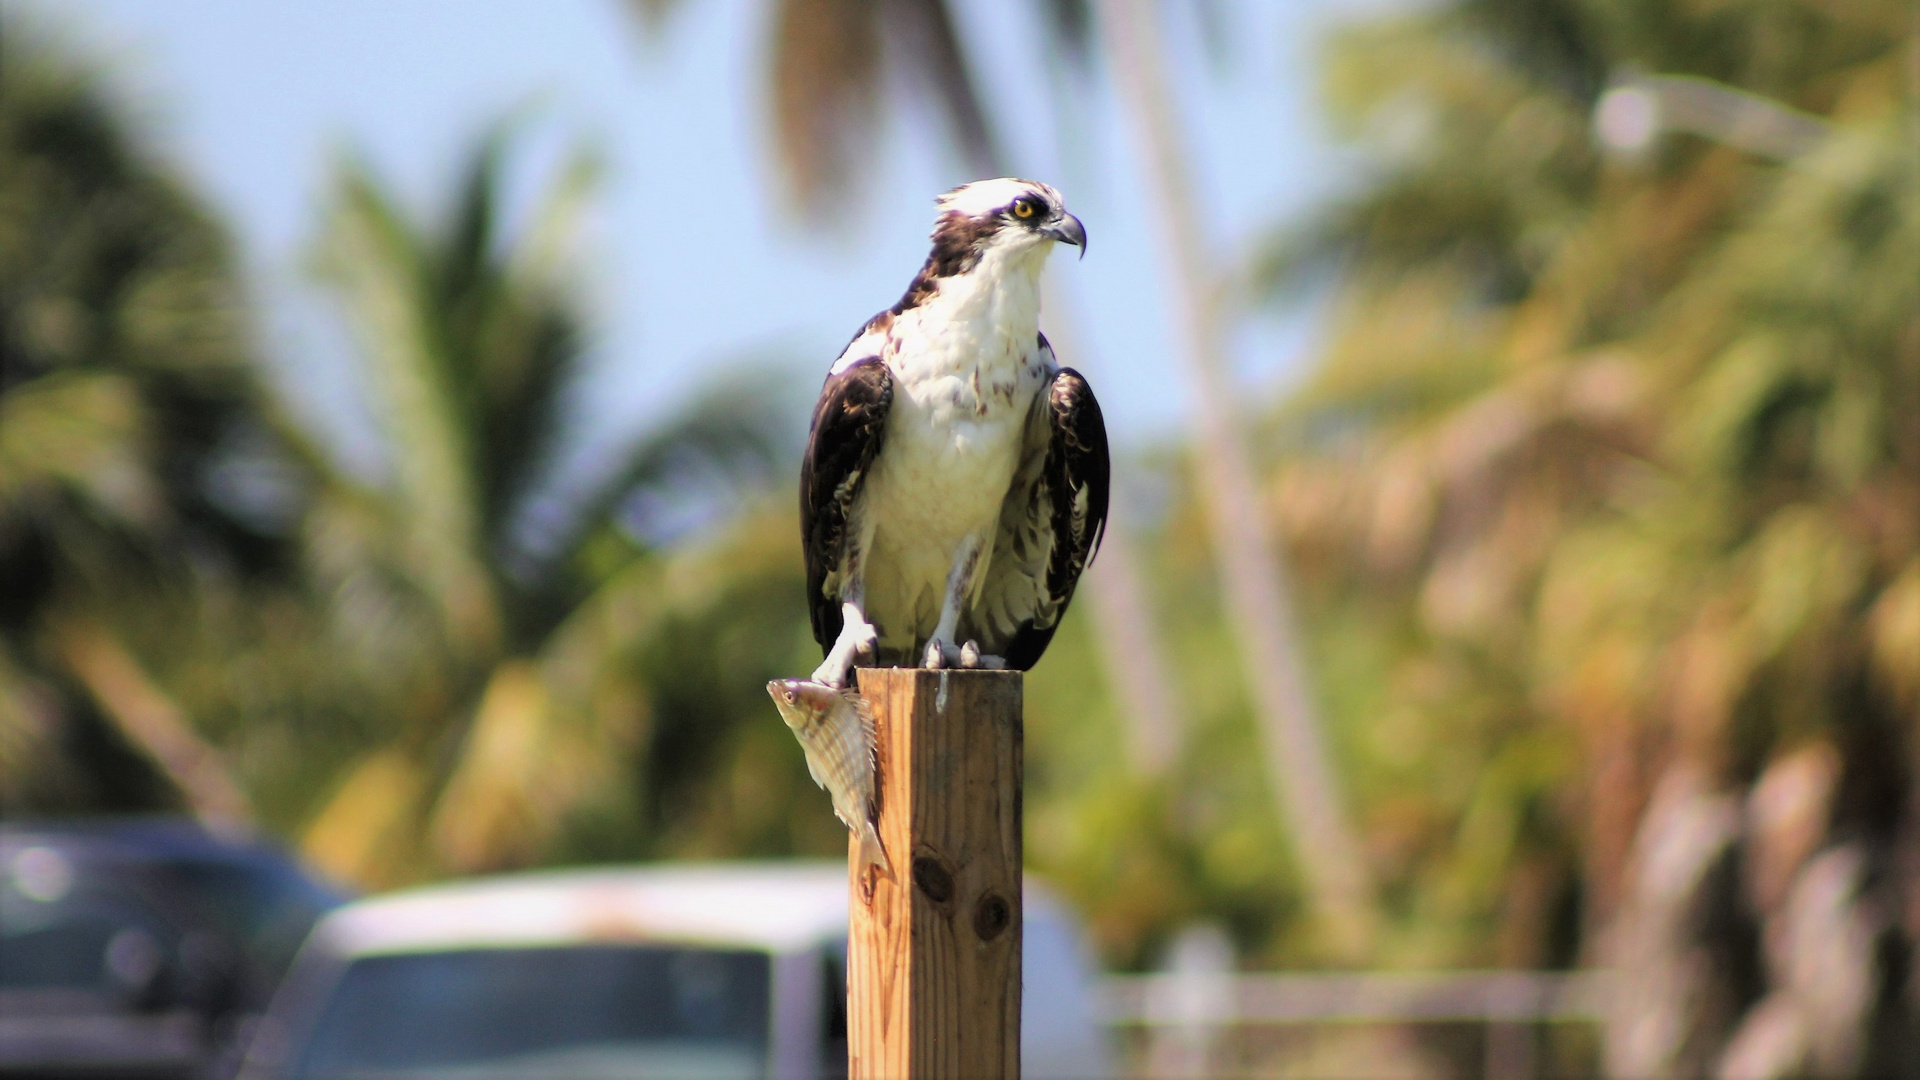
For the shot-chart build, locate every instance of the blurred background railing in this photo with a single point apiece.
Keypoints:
(1191, 1024)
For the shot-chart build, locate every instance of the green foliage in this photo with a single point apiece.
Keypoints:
(553, 690)
(1610, 465)
(431, 672)
(126, 403)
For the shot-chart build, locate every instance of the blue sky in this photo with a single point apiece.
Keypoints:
(693, 265)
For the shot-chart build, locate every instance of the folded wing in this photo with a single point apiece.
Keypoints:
(849, 424)
(1050, 525)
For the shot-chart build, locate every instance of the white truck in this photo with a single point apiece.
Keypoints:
(711, 971)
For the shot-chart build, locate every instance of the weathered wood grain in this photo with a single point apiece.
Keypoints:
(933, 965)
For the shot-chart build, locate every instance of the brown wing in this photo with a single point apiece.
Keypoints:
(849, 424)
(1051, 525)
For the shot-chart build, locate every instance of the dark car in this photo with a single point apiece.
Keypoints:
(139, 947)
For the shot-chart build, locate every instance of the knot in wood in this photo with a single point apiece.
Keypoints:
(991, 916)
(933, 879)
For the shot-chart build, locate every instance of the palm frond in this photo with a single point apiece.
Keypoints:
(368, 831)
(824, 88)
(1626, 516)
(734, 441)
(922, 32)
(381, 268)
(85, 435)
(830, 61)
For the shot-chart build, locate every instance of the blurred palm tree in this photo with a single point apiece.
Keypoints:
(1618, 458)
(509, 701)
(139, 509)
(1254, 581)
(474, 660)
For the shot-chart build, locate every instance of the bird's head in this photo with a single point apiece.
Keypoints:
(1004, 216)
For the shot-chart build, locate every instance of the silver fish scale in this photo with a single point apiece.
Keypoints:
(839, 748)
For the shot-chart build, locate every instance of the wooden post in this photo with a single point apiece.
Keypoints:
(933, 953)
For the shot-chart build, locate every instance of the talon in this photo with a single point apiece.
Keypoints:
(970, 655)
(936, 656)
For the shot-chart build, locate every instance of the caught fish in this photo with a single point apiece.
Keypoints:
(835, 729)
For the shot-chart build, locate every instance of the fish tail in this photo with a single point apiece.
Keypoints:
(871, 851)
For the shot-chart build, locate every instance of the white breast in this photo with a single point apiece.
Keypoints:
(967, 369)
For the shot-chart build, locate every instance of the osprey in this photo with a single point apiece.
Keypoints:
(955, 479)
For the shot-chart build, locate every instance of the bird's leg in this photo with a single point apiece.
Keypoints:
(858, 639)
(942, 650)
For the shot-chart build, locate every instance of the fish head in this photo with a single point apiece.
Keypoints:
(802, 702)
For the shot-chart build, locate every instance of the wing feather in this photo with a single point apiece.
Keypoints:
(1051, 526)
(849, 425)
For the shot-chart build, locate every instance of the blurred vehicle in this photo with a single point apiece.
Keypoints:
(137, 947)
(711, 971)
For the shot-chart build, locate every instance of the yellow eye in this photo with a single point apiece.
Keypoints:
(1023, 208)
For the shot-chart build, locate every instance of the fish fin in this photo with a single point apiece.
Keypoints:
(870, 731)
(851, 824)
(813, 769)
(862, 708)
(872, 853)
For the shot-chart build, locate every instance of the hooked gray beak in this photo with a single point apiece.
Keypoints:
(1068, 230)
